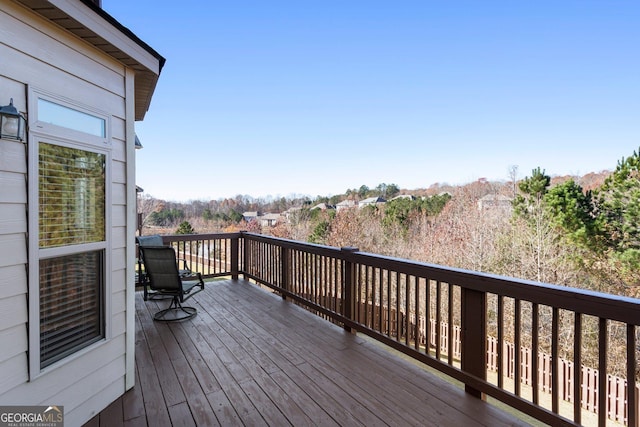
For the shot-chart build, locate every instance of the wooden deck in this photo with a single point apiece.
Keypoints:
(250, 358)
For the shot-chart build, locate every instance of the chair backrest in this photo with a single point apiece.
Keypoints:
(160, 265)
(153, 240)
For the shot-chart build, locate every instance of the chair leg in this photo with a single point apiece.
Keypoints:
(175, 312)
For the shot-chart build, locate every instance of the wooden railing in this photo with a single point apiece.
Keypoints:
(388, 300)
(212, 255)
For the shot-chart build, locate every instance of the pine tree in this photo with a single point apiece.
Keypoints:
(619, 211)
(185, 228)
(572, 212)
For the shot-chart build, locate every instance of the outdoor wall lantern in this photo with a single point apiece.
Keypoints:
(12, 123)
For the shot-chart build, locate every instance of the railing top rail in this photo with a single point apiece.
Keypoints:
(204, 236)
(314, 248)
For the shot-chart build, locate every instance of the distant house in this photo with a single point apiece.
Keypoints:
(269, 219)
(67, 255)
(323, 206)
(371, 201)
(291, 212)
(346, 204)
(495, 201)
(404, 196)
(250, 215)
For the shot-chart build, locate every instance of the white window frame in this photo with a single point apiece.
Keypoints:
(36, 125)
(56, 135)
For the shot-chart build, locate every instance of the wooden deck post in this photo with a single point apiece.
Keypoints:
(284, 267)
(235, 257)
(348, 275)
(474, 336)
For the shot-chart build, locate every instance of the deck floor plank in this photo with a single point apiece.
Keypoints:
(155, 407)
(251, 358)
(223, 409)
(133, 403)
(196, 360)
(167, 377)
(181, 415)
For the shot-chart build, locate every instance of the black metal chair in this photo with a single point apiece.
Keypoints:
(142, 279)
(164, 279)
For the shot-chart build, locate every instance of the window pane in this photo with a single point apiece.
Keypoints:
(70, 304)
(71, 196)
(59, 115)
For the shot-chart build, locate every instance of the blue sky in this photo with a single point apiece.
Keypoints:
(286, 98)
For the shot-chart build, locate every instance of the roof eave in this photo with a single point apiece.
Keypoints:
(89, 22)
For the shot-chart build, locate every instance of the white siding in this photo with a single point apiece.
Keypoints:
(38, 55)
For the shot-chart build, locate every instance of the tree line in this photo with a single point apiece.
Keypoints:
(575, 231)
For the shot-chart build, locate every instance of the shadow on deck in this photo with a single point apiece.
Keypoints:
(250, 358)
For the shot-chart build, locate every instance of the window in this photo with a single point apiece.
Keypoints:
(71, 313)
(69, 222)
(71, 200)
(72, 235)
(71, 196)
(71, 118)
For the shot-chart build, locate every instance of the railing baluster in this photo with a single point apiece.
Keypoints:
(407, 308)
(389, 330)
(603, 349)
(427, 315)
(450, 326)
(500, 341)
(416, 332)
(366, 296)
(517, 373)
(301, 272)
(632, 397)
(284, 258)
(534, 352)
(577, 363)
(438, 320)
(398, 320)
(381, 303)
(555, 377)
(338, 284)
(361, 294)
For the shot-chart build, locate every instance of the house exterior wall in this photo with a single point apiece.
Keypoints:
(37, 55)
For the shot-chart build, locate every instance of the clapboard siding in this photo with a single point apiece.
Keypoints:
(118, 280)
(13, 281)
(43, 76)
(51, 46)
(38, 56)
(118, 172)
(118, 126)
(118, 216)
(12, 153)
(16, 336)
(13, 311)
(13, 187)
(12, 218)
(94, 403)
(118, 194)
(118, 318)
(13, 249)
(119, 243)
(14, 374)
